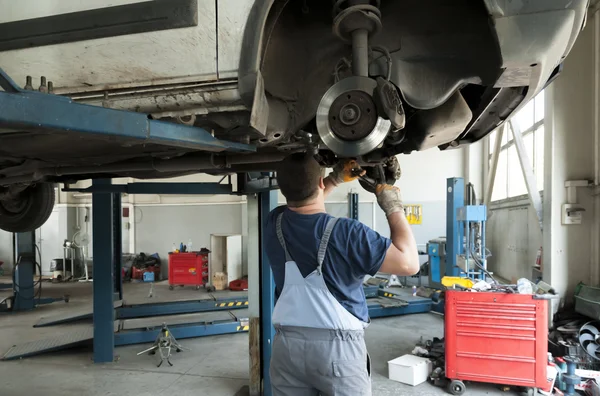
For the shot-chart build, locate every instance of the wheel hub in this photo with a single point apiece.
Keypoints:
(347, 118)
(353, 115)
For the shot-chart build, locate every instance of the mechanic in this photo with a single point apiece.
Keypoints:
(319, 263)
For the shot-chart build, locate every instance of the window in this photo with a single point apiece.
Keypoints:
(509, 181)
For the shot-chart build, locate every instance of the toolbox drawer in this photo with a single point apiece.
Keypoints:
(496, 338)
(188, 268)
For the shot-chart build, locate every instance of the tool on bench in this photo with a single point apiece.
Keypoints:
(164, 343)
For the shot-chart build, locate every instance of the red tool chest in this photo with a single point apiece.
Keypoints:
(188, 269)
(496, 338)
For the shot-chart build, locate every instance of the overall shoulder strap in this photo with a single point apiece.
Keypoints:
(281, 240)
(324, 242)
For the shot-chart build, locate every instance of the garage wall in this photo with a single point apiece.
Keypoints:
(157, 227)
(6, 250)
(571, 153)
(571, 149)
(513, 236)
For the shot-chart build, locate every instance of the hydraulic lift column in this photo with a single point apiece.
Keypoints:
(23, 286)
(104, 282)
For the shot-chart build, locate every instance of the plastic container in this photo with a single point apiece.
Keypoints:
(409, 369)
(148, 276)
(587, 301)
(495, 338)
(188, 269)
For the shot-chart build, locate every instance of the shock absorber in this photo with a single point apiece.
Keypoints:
(356, 21)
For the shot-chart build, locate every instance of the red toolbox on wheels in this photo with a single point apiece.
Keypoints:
(188, 269)
(496, 338)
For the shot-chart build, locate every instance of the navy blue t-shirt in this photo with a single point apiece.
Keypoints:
(354, 250)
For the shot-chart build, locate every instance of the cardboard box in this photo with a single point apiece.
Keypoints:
(409, 369)
(219, 280)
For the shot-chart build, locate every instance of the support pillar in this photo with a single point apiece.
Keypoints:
(455, 198)
(103, 285)
(353, 206)
(117, 245)
(24, 286)
(267, 201)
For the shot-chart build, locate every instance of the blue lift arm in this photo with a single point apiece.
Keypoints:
(30, 110)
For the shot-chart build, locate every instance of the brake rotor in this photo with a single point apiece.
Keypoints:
(347, 118)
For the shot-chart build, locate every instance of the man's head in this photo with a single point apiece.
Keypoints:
(300, 179)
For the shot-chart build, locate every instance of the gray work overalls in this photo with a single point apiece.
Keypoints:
(319, 346)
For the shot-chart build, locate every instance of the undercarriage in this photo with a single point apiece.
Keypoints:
(362, 79)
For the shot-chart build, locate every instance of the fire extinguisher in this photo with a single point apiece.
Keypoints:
(538, 258)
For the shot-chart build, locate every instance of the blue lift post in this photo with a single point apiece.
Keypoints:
(24, 286)
(117, 245)
(104, 283)
(267, 202)
(353, 205)
(454, 234)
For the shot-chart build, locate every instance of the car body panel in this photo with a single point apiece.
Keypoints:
(142, 59)
(221, 65)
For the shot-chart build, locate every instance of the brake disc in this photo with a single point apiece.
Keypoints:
(347, 118)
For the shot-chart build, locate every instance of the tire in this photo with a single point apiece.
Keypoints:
(532, 391)
(171, 287)
(456, 387)
(29, 211)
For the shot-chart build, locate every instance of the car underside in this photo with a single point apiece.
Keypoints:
(364, 79)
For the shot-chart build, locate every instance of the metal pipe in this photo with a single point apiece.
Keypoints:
(595, 249)
(360, 52)
(491, 177)
(182, 164)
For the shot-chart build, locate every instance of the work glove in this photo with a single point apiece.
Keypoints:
(389, 199)
(345, 171)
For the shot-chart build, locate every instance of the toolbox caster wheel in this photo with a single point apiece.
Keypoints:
(152, 353)
(456, 387)
(171, 288)
(210, 289)
(532, 391)
(197, 287)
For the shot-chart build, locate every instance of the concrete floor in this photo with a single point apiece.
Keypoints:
(217, 364)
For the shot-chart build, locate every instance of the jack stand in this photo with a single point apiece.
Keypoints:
(394, 281)
(164, 343)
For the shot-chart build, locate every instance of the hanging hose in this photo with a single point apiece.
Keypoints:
(388, 57)
(38, 283)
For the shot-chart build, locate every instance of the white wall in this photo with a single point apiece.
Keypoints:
(570, 148)
(513, 236)
(158, 227)
(6, 250)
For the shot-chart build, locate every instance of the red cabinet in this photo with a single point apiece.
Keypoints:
(496, 338)
(188, 269)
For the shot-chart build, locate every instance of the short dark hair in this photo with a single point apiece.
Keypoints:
(298, 177)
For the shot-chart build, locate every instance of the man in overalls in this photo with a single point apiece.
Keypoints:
(319, 263)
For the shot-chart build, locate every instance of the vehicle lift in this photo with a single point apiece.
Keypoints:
(24, 110)
(452, 256)
(24, 287)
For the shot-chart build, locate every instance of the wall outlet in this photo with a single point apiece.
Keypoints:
(572, 214)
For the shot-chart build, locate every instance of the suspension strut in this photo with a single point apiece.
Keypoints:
(356, 21)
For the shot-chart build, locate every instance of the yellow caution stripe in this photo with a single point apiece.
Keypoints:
(243, 328)
(231, 304)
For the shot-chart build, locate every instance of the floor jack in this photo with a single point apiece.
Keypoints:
(164, 343)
